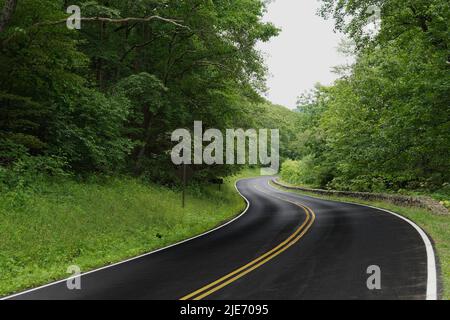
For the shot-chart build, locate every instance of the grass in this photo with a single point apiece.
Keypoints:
(43, 232)
(443, 196)
(436, 226)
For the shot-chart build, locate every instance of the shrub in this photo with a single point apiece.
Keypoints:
(303, 172)
(27, 170)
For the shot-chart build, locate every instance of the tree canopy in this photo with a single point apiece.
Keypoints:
(107, 96)
(386, 124)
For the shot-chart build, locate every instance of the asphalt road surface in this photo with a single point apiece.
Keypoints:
(284, 246)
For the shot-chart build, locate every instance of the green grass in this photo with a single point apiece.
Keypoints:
(43, 232)
(436, 226)
(443, 196)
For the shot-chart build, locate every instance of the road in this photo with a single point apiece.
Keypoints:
(284, 246)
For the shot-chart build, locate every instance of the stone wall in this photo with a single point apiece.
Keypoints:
(411, 201)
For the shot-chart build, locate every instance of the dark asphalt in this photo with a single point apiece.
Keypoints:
(329, 262)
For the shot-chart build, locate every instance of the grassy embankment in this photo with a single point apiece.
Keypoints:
(46, 229)
(436, 226)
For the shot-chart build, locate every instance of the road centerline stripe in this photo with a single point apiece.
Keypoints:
(240, 275)
(256, 263)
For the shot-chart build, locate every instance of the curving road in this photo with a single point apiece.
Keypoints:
(285, 246)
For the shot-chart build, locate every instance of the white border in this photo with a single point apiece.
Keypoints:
(431, 257)
(143, 255)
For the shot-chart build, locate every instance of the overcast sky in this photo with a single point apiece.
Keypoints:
(303, 54)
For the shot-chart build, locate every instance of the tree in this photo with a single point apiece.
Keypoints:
(143, 68)
(7, 12)
(145, 92)
(385, 124)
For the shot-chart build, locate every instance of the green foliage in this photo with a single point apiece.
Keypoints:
(307, 171)
(385, 125)
(107, 96)
(88, 130)
(289, 171)
(270, 116)
(398, 19)
(28, 171)
(19, 124)
(143, 90)
(11, 151)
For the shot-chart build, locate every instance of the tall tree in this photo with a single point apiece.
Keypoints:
(7, 12)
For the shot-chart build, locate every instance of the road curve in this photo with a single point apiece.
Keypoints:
(285, 246)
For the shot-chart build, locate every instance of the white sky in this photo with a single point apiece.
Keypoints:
(303, 54)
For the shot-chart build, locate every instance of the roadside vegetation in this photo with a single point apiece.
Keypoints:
(54, 223)
(384, 125)
(300, 173)
(436, 226)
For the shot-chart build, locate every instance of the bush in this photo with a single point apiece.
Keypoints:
(88, 131)
(303, 172)
(289, 171)
(10, 151)
(27, 170)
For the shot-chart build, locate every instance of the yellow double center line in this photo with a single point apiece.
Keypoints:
(249, 267)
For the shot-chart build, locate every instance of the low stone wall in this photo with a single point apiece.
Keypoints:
(420, 202)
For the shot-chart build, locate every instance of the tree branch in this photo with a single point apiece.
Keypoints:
(137, 46)
(120, 21)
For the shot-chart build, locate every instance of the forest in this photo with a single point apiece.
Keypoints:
(385, 123)
(104, 99)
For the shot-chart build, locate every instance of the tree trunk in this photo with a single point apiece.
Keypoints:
(99, 61)
(146, 138)
(7, 13)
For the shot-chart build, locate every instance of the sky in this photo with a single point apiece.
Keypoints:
(303, 54)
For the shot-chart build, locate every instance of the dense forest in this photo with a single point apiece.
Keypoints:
(105, 98)
(385, 124)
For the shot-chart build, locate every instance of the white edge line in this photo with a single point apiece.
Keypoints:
(431, 257)
(143, 255)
